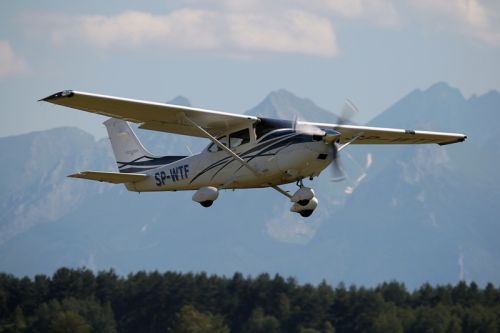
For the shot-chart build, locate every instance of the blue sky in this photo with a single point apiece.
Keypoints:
(228, 55)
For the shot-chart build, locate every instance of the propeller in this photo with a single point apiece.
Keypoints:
(307, 128)
(348, 112)
(338, 174)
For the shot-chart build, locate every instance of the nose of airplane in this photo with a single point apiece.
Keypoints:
(330, 136)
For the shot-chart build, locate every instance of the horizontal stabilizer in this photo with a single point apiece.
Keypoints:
(110, 177)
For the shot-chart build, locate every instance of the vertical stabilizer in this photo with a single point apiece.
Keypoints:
(127, 148)
(130, 154)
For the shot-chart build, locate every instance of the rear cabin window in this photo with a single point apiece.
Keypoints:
(213, 147)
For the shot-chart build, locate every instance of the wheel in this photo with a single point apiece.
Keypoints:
(207, 203)
(306, 213)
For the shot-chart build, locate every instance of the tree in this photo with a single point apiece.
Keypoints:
(479, 319)
(190, 320)
(454, 326)
(17, 322)
(394, 292)
(327, 327)
(308, 330)
(69, 322)
(75, 300)
(260, 323)
(434, 320)
(387, 322)
(98, 318)
(72, 283)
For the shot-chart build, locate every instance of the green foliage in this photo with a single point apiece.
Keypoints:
(98, 317)
(68, 322)
(261, 323)
(432, 320)
(189, 320)
(387, 322)
(81, 301)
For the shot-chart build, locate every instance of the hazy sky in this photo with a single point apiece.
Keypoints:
(228, 54)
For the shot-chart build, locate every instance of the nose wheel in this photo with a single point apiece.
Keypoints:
(304, 200)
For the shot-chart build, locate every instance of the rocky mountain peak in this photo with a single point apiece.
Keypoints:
(180, 100)
(283, 104)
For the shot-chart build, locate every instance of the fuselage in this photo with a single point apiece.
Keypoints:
(280, 156)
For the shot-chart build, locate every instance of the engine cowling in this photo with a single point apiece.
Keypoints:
(206, 196)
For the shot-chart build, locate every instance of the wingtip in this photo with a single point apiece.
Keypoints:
(460, 139)
(74, 175)
(64, 93)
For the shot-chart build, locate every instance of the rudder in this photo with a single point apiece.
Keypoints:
(130, 154)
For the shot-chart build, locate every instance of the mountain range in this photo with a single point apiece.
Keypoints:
(409, 213)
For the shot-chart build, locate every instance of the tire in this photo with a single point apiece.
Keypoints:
(306, 213)
(207, 203)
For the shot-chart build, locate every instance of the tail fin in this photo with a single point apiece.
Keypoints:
(126, 146)
(130, 154)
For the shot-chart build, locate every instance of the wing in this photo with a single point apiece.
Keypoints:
(380, 135)
(110, 177)
(154, 116)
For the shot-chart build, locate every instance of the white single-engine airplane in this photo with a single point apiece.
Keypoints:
(245, 151)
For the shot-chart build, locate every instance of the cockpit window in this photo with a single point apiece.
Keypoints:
(239, 138)
(235, 139)
(213, 147)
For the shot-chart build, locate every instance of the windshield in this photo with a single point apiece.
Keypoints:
(267, 125)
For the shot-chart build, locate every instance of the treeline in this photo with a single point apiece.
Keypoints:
(81, 301)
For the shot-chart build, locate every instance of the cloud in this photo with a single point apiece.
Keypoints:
(221, 32)
(381, 13)
(293, 32)
(478, 19)
(249, 28)
(10, 63)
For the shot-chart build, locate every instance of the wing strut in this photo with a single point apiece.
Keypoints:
(233, 154)
(349, 142)
(223, 147)
(282, 191)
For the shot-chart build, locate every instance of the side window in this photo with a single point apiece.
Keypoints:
(239, 138)
(213, 147)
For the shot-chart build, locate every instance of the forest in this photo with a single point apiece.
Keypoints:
(79, 300)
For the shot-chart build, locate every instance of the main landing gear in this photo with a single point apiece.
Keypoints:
(206, 196)
(304, 200)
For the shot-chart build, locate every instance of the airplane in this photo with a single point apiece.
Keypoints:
(244, 151)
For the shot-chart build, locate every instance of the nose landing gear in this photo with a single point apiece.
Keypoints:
(304, 200)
